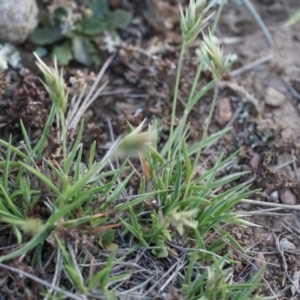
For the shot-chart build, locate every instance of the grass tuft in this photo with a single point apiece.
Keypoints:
(96, 234)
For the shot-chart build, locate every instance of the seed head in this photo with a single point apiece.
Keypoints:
(180, 219)
(136, 141)
(193, 20)
(54, 84)
(213, 55)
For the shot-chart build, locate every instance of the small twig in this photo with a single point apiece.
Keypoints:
(294, 93)
(295, 166)
(255, 267)
(285, 164)
(235, 115)
(285, 266)
(252, 246)
(57, 274)
(248, 258)
(162, 277)
(282, 206)
(275, 252)
(179, 267)
(260, 22)
(262, 213)
(242, 92)
(296, 235)
(252, 65)
(36, 279)
(112, 137)
(269, 286)
(75, 263)
(142, 285)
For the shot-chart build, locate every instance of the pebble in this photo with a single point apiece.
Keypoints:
(275, 197)
(285, 244)
(287, 197)
(18, 19)
(260, 260)
(274, 98)
(224, 111)
(255, 160)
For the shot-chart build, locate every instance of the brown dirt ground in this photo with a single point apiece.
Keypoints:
(261, 102)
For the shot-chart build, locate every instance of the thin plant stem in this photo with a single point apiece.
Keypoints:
(192, 93)
(180, 63)
(199, 70)
(203, 137)
(216, 21)
(64, 139)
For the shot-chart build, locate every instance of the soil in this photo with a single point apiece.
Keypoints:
(260, 101)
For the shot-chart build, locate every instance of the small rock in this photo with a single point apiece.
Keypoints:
(274, 98)
(258, 263)
(268, 239)
(285, 244)
(9, 55)
(18, 19)
(287, 117)
(295, 279)
(287, 197)
(255, 160)
(274, 197)
(260, 260)
(224, 111)
(244, 206)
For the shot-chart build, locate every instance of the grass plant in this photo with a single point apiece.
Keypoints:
(51, 199)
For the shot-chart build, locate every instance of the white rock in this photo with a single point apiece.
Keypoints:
(18, 19)
(285, 244)
(9, 55)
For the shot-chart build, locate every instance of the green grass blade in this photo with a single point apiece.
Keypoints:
(13, 149)
(200, 94)
(26, 138)
(42, 177)
(40, 146)
(92, 155)
(15, 210)
(6, 167)
(74, 149)
(37, 240)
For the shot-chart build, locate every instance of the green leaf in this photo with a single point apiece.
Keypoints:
(41, 51)
(84, 51)
(106, 238)
(63, 53)
(46, 36)
(99, 8)
(91, 27)
(117, 19)
(94, 24)
(161, 251)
